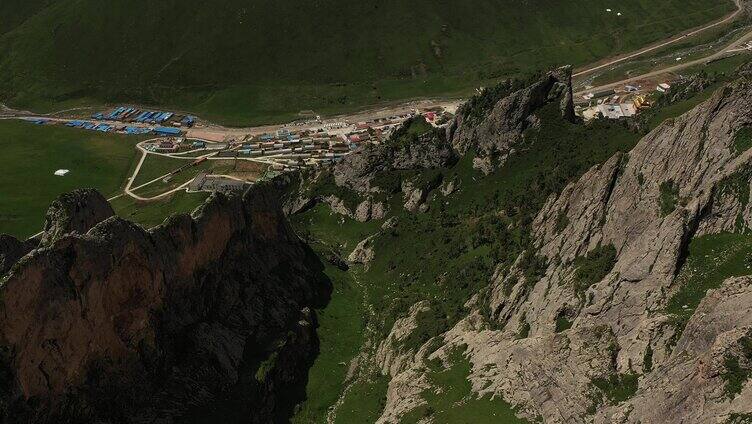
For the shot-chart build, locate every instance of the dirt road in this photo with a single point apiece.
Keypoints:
(675, 39)
(733, 46)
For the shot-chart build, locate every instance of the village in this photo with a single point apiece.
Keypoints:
(619, 103)
(211, 158)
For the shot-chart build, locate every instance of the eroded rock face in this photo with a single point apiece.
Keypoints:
(11, 250)
(207, 317)
(357, 170)
(688, 386)
(494, 138)
(77, 211)
(615, 322)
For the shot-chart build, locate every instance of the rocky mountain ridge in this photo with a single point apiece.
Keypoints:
(204, 317)
(687, 178)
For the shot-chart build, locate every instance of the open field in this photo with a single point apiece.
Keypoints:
(32, 153)
(156, 166)
(154, 213)
(161, 186)
(333, 57)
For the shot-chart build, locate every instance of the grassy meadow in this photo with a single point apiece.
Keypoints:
(154, 213)
(265, 61)
(32, 153)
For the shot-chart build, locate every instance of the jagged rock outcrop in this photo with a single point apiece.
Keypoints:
(11, 250)
(494, 137)
(349, 187)
(77, 211)
(205, 317)
(689, 386)
(358, 169)
(363, 252)
(644, 207)
(370, 209)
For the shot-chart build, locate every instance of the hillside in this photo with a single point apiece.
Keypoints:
(518, 265)
(523, 265)
(252, 61)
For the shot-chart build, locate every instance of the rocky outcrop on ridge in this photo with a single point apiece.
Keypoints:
(686, 178)
(349, 187)
(357, 170)
(77, 211)
(205, 317)
(494, 138)
(11, 250)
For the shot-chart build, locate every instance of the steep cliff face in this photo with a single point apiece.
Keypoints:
(204, 317)
(11, 250)
(493, 134)
(590, 337)
(351, 187)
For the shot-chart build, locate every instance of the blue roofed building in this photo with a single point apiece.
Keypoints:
(166, 131)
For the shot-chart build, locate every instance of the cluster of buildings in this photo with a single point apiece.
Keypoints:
(134, 115)
(285, 149)
(294, 146)
(123, 129)
(129, 120)
(288, 149)
(211, 183)
(625, 103)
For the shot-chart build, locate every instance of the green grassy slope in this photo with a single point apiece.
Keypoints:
(31, 154)
(454, 401)
(15, 12)
(154, 213)
(447, 254)
(246, 61)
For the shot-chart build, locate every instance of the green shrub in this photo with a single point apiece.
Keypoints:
(737, 184)
(739, 418)
(735, 375)
(617, 387)
(562, 220)
(266, 367)
(533, 267)
(593, 267)
(743, 139)
(524, 329)
(647, 359)
(562, 322)
(325, 185)
(410, 131)
(429, 323)
(669, 197)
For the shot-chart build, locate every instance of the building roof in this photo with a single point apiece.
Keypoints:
(167, 130)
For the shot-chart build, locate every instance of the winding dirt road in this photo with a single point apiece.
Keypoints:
(673, 40)
(732, 47)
